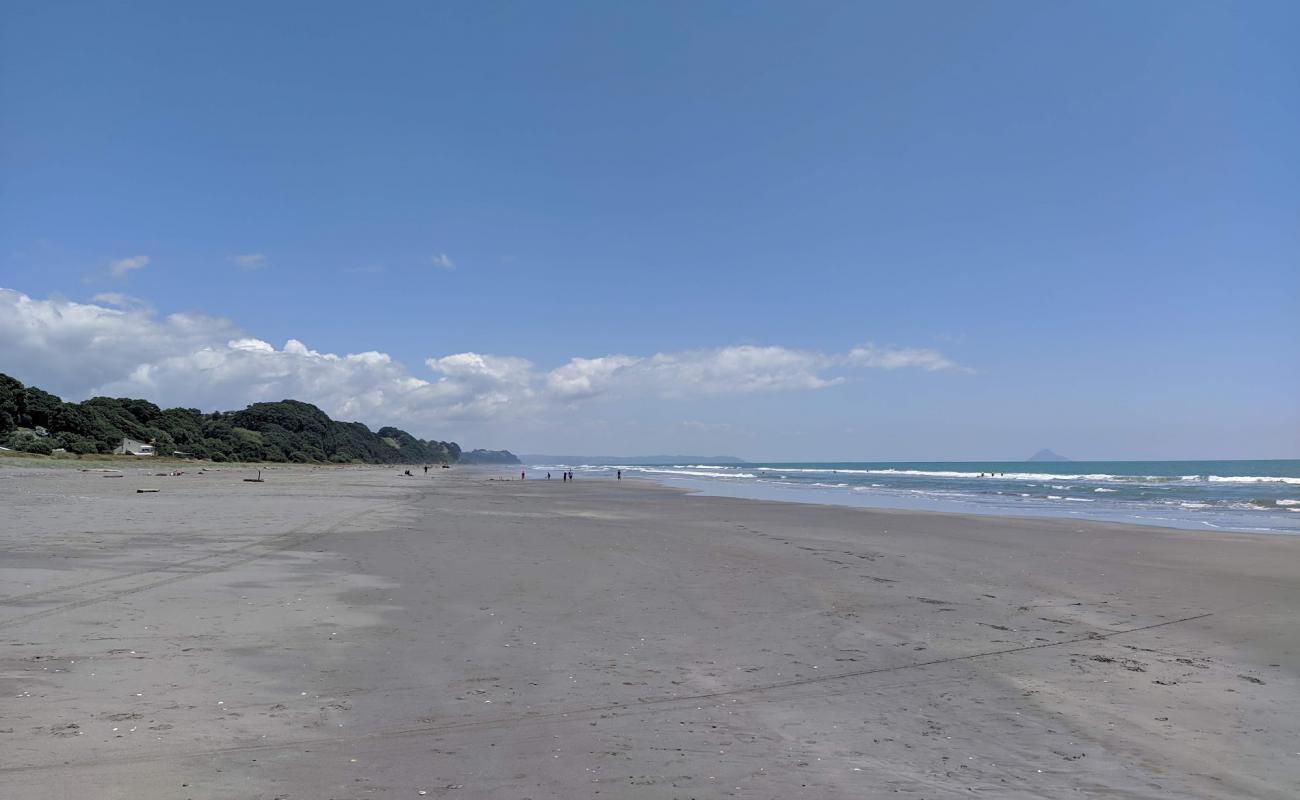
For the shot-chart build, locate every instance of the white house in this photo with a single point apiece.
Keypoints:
(130, 447)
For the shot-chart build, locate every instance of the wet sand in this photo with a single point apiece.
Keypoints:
(354, 633)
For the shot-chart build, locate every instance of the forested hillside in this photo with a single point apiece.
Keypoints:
(289, 430)
(488, 457)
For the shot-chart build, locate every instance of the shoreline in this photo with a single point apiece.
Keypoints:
(359, 633)
(868, 505)
(1283, 520)
(762, 491)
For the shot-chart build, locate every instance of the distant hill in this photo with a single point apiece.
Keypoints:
(598, 461)
(1047, 455)
(489, 457)
(36, 421)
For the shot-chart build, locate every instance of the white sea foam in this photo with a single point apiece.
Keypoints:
(1104, 489)
(1092, 477)
(692, 472)
(1288, 502)
(922, 473)
(937, 493)
(1009, 476)
(818, 471)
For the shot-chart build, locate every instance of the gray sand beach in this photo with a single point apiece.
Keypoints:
(355, 633)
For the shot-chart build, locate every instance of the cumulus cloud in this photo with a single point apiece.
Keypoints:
(119, 268)
(115, 347)
(74, 347)
(587, 377)
(443, 262)
(249, 261)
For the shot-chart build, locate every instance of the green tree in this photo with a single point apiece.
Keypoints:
(27, 443)
(281, 431)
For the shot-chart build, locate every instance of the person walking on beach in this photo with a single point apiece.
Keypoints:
(521, 476)
(426, 469)
(548, 476)
(620, 474)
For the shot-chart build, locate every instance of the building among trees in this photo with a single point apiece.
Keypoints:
(131, 447)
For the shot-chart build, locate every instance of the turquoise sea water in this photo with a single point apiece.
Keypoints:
(1209, 495)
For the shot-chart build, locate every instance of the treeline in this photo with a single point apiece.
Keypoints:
(289, 430)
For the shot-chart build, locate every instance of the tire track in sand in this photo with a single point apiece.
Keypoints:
(288, 540)
(649, 705)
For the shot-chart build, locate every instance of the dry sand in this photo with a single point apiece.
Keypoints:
(354, 633)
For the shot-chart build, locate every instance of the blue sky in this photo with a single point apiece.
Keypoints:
(1068, 226)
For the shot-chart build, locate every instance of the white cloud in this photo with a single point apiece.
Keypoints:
(869, 355)
(587, 377)
(83, 349)
(74, 347)
(120, 267)
(249, 261)
(443, 262)
(121, 300)
(740, 368)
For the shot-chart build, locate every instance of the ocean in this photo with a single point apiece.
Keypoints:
(1257, 496)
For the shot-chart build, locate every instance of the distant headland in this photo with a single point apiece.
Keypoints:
(604, 461)
(1047, 455)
